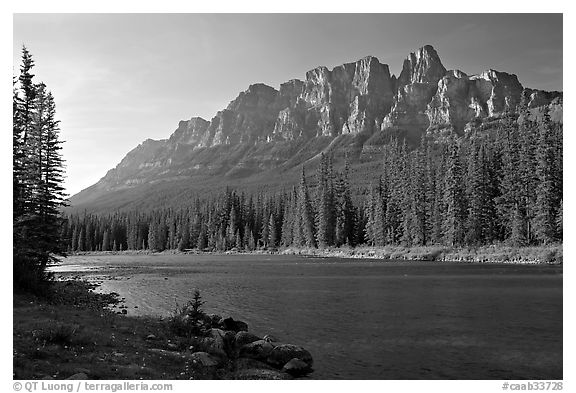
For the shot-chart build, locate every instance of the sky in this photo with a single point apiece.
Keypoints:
(119, 79)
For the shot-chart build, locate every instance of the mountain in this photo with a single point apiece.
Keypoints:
(262, 137)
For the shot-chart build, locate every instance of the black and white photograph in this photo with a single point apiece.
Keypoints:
(286, 196)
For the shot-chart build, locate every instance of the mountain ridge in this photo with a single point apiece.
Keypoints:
(267, 129)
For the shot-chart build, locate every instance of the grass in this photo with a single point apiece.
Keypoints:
(497, 253)
(500, 253)
(71, 332)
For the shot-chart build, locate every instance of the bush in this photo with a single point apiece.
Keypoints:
(547, 256)
(56, 333)
(188, 320)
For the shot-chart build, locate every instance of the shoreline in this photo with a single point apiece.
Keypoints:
(72, 333)
(494, 254)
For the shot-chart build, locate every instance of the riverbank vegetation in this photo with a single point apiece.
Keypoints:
(549, 254)
(544, 254)
(76, 333)
(494, 186)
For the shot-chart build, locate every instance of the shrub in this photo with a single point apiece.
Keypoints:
(55, 333)
(188, 320)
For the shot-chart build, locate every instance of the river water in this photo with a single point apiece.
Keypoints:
(363, 319)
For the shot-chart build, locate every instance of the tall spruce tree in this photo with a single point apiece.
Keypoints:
(455, 214)
(38, 170)
(546, 191)
(325, 208)
(305, 212)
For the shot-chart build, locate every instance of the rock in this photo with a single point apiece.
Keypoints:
(533, 98)
(230, 339)
(212, 320)
(248, 363)
(499, 90)
(215, 343)
(253, 374)
(247, 119)
(350, 99)
(297, 368)
(417, 84)
(172, 346)
(270, 338)
(422, 66)
(257, 350)
(79, 370)
(78, 376)
(283, 353)
(243, 338)
(189, 132)
(204, 359)
(454, 103)
(236, 326)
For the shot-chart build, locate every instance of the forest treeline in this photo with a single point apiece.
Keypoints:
(501, 182)
(38, 171)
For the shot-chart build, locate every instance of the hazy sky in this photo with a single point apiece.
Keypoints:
(119, 79)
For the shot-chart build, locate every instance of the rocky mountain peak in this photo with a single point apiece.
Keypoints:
(359, 97)
(189, 132)
(256, 96)
(422, 66)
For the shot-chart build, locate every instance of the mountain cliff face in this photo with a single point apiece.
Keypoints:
(264, 128)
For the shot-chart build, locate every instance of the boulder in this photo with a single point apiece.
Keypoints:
(215, 343)
(283, 353)
(236, 326)
(247, 363)
(204, 359)
(297, 368)
(270, 338)
(243, 338)
(257, 350)
(213, 320)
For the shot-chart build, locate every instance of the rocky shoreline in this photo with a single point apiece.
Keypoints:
(229, 350)
(73, 333)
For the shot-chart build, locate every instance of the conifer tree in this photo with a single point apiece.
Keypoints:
(455, 216)
(272, 232)
(106, 241)
(306, 214)
(38, 171)
(325, 211)
(546, 192)
(559, 221)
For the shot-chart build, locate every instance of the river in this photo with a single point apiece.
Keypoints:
(363, 319)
